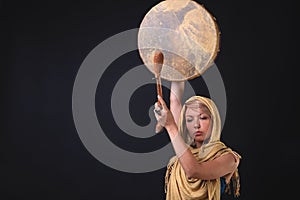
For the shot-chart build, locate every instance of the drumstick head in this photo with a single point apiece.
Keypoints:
(158, 60)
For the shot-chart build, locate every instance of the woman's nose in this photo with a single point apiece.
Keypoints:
(197, 125)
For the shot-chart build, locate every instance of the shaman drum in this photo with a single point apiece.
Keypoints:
(187, 35)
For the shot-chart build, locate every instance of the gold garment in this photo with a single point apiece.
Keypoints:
(179, 187)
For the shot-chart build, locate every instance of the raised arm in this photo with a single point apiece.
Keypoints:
(177, 89)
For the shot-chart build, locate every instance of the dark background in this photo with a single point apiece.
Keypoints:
(43, 44)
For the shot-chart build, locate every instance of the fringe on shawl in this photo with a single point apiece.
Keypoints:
(235, 184)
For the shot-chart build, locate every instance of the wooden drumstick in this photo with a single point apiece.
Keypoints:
(158, 63)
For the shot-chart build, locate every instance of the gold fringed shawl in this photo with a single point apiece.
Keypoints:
(179, 187)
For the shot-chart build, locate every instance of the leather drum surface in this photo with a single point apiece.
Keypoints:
(187, 35)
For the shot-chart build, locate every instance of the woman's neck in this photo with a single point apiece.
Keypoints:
(198, 144)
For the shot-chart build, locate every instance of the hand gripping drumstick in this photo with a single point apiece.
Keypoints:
(158, 63)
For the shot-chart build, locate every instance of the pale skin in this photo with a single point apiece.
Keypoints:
(198, 125)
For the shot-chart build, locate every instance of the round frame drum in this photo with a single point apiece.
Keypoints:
(187, 35)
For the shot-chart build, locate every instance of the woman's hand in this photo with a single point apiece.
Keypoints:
(163, 115)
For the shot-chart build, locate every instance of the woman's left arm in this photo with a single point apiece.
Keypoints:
(224, 165)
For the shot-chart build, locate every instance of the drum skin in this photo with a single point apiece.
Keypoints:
(187, 35)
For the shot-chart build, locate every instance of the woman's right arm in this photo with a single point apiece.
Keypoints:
(177, 89)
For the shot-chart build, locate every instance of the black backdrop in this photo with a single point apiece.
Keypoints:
(43, 44)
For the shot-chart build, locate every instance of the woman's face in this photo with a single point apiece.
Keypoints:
(198, 124)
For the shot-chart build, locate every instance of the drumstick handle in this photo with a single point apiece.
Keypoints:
(158, 87)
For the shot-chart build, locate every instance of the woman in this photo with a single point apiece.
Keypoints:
(203, 165)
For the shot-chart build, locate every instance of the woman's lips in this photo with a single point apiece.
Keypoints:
(198, 133)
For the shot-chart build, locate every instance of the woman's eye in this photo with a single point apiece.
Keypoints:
(189, 120)
(204, 117)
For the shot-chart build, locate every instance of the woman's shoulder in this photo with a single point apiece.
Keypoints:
(224, 149)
